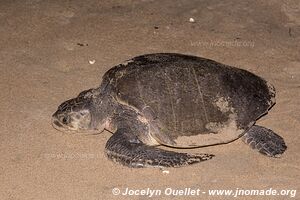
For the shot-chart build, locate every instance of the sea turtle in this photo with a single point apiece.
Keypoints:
(173, 100)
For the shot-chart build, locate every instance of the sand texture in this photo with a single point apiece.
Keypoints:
(52, 50)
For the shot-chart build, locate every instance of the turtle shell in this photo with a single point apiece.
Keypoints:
(190, 101)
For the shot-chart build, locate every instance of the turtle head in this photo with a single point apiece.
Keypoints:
(77, 115)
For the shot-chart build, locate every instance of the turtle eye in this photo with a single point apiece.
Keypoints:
(65, 119)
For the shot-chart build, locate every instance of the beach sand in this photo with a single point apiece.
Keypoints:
(52, 50)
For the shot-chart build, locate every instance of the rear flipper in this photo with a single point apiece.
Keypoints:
(265, 141)
(125, 148)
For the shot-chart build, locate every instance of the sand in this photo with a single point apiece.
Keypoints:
(52, 50)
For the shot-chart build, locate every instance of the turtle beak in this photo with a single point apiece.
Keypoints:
(54, 115)
(56, 123)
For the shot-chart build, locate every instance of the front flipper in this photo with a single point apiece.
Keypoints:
(265, 141)
(125, 148)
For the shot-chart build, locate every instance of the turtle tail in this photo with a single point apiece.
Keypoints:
(128, 150)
